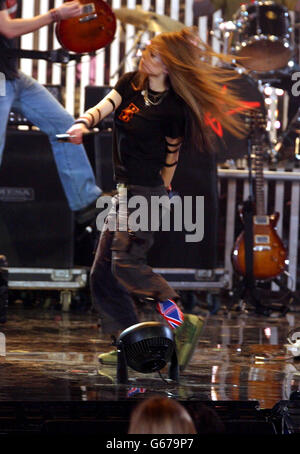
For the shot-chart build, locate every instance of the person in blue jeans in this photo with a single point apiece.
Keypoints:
(25, 94)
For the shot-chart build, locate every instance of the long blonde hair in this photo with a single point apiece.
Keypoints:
(198, 82)
(159, 415)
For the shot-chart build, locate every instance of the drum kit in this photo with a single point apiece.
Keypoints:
(260, 37)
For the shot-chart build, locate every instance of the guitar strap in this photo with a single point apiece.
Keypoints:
(54, 56)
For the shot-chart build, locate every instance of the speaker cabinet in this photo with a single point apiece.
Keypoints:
(36, 224)
(195, 176)
(17, 118)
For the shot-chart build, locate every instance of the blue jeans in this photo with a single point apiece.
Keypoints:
(26, 95)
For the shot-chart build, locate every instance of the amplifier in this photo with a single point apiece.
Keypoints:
(17, 118)
(195, 180)
(195, 176)
(36, 224)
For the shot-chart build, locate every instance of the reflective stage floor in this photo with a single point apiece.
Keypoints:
(52, 356)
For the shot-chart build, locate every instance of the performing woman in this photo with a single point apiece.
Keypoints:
(159, 113)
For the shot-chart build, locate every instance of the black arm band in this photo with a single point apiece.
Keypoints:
(84, 122)
(93, 118)
(99, 113)
(171, 165)
(112, 102)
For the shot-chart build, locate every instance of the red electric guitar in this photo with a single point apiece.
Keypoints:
(269, 254)
(93, 30)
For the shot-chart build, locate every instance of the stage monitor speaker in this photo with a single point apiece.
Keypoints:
(227, 146)
(36, 224)
(196, 175)
(99, 151)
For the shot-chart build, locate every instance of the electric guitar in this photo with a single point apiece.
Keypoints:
(94, 29)
(269, 254)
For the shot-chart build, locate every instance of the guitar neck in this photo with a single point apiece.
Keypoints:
(259, 182)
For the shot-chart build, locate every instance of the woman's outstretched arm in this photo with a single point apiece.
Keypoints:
(92, 116)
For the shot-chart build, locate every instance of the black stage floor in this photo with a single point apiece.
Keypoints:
(51, 369)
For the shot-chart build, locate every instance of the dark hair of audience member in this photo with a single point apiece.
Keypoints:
(159, 415)
(206, 419)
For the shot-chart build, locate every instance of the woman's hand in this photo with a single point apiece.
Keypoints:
(76, 131)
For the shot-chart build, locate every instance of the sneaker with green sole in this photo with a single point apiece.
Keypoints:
(109, 358)
(186, 338)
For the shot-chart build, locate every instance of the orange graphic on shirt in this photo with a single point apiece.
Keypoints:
(127, 114)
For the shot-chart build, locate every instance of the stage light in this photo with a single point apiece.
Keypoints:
(268, 91)
(146, 347)
(277, 124)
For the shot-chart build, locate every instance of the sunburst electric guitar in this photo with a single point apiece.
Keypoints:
(91, 31)
(269, 254)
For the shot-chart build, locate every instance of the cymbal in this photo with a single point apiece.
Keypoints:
(148, 20)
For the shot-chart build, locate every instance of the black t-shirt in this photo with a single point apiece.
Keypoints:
(139, 146)
(8, 64)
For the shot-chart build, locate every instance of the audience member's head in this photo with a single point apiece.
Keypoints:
(159, 415)
(206, 420)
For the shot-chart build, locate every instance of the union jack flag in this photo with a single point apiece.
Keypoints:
(171, 313)
(132, 391)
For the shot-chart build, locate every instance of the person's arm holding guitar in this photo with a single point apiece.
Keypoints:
(92, 116)
(13, 28)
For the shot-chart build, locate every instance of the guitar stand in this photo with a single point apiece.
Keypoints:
(247, 288)
(250, 294)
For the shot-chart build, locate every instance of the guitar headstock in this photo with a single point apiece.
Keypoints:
(255, 121)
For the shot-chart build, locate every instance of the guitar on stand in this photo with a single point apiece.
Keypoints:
(258, 254)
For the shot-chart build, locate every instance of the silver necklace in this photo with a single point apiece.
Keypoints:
(160, 97)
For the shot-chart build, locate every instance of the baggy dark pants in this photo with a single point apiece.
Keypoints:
(120, 269)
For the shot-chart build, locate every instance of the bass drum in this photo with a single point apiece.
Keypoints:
(227, 146)
(263, 36)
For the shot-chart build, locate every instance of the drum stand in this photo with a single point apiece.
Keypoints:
(246, 290)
